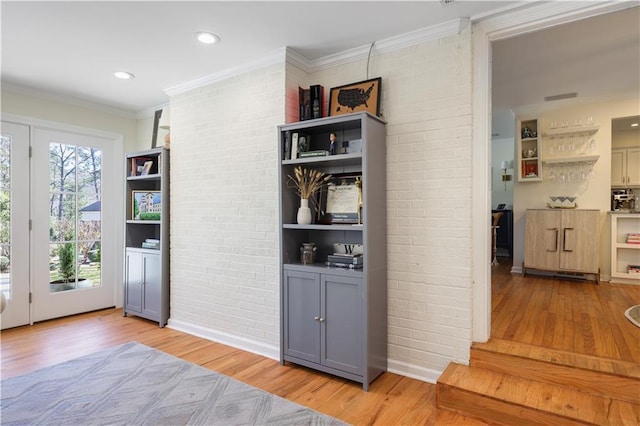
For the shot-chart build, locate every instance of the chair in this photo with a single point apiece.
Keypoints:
(494, 233)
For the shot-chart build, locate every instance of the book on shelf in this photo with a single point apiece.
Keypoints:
(633, 238)
(350, 260)
(315, 153)
(633, 269)
(287, 145)
(347, 255)
(344, 265)
(304, 99)
(151, 243)
(316, 94)
(294, 145)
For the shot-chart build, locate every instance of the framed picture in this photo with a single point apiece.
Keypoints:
(146, 205)
(340, 201)
(356, 97)
(146, 168)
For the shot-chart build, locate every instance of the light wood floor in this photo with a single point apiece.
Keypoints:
(569, 315)
(565, 315)
(391, 400)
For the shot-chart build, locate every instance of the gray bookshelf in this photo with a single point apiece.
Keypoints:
(146, 278)
(334, 319)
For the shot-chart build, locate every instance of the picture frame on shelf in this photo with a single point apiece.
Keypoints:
(356, 97)
(146, 205)
(339, 201)
(146, 168)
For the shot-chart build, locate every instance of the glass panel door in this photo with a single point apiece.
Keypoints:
(14, 224)
(73, 269)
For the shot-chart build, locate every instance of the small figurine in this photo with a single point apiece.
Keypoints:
(332, 144)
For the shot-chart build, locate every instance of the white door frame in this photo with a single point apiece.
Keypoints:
(485, 31)
(114, 216)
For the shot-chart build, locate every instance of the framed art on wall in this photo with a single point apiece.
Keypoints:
(356, 97)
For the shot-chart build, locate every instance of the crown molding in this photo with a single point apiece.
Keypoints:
(299, 61)
(65, 99)
(287, 54)
(276, 57)
(391, 44)
(521, 20)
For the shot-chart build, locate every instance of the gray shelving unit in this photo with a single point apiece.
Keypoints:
(334, 319)
(146, 279)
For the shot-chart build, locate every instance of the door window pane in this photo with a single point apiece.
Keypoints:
(5, 215)
(76, 213)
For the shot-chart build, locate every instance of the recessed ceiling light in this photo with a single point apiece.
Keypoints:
(207, 37)
(124, 75)
(635, 124)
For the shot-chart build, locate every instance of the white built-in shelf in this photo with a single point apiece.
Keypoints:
(577, 160)
(567, 131)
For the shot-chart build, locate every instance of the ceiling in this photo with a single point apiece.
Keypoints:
(597, 58)
(72, 48)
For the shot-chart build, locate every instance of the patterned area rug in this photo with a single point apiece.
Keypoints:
(633, 315)
(134, 384)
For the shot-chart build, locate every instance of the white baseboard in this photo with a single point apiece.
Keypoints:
(413, 371)
(273, 352)
(243, 343)
(516, 270)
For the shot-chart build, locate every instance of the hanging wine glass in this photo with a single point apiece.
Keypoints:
(583, 174)
(551, 175)
(562, 177)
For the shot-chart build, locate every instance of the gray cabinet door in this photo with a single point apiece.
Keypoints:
(302, 315)
(152, 284)
(342, 323)
(133, 283)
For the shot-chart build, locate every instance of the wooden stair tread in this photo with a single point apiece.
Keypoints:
(585, 380)
(554, 356)
(474, 391)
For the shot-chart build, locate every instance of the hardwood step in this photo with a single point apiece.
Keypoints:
(597, 376)
(506, 399)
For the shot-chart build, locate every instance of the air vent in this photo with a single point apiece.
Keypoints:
(561, 96)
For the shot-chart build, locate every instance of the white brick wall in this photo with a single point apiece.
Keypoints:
(426, 101)
(224, 263)
(224, 221)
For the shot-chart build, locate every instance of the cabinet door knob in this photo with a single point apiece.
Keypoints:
(321, 320)
(316, 318)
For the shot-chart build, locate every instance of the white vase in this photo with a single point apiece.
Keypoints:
(304, 212)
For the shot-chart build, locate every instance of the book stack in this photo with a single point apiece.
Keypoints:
(633, 238)
(341, 260)
(151, 243)
(633, 269)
